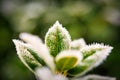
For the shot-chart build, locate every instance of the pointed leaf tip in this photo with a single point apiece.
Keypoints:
(57, 39)
(25, 56)
(93, 55)
(92, 49)
(57, 23)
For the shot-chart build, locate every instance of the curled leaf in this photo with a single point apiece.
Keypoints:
(67, 60)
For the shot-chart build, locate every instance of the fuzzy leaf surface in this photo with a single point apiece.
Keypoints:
(93, 55)
(57, 39)
(25, 56)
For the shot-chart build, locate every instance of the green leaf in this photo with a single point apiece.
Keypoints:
(30, 60)
(36, 56)
(67, 60)
(39, 50)
(25, 56)
(57, 39)
(82, 67)
(88, 53)
(66, 63)
(92, 49)
(96, 53)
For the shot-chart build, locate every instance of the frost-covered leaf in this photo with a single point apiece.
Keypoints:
(96, 53)
(92, 49)
(83, 67)
(67, 60)
(41, 50)
(59, 57)
(57, 39)
(36, 56)
(78, 44)
(95, 77)
(76, 71)
(25, 56)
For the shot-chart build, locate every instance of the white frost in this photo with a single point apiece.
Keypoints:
(63, 31)
(79, 43)
(102, 51)
(22, 51)
(45, 74)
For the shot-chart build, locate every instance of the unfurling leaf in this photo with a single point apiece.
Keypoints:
(67, 60)
(57, 39)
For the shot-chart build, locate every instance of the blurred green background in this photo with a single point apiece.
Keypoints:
(93, 20)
